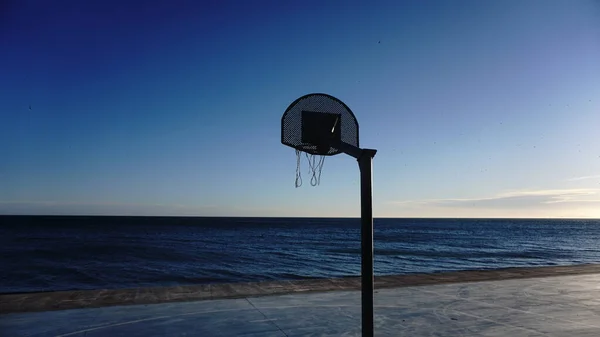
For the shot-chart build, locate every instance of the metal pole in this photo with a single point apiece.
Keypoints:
(365, 163)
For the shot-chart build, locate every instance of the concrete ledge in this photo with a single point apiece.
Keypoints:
(60, 300)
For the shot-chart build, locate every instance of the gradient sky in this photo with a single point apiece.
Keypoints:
(477, 108)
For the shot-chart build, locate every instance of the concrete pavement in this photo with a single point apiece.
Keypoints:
(567, 305)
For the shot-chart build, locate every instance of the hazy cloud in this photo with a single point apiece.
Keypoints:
(597, 176)
(514, 200)
(139, 209)
(101, 208)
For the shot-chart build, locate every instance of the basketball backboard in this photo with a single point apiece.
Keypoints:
(317, 124)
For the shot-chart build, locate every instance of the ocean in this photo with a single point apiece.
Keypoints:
(50, 253)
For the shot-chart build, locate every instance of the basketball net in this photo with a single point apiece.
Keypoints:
(314, 168)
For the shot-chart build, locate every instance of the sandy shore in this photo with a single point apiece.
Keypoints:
(60, 300)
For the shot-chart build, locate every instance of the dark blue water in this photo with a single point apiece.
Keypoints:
(63, 253)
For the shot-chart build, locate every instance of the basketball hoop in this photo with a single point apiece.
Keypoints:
(316, 124)
(321, 125)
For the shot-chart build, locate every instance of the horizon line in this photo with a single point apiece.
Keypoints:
(292, 217)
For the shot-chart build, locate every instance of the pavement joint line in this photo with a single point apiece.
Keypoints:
(153, 318)
(499, 322)
(266, 318)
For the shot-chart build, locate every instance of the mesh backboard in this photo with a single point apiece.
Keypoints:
(314, 123)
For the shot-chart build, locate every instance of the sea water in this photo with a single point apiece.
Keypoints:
(48, 253)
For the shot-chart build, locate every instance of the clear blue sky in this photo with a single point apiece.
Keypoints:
(477, 108)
